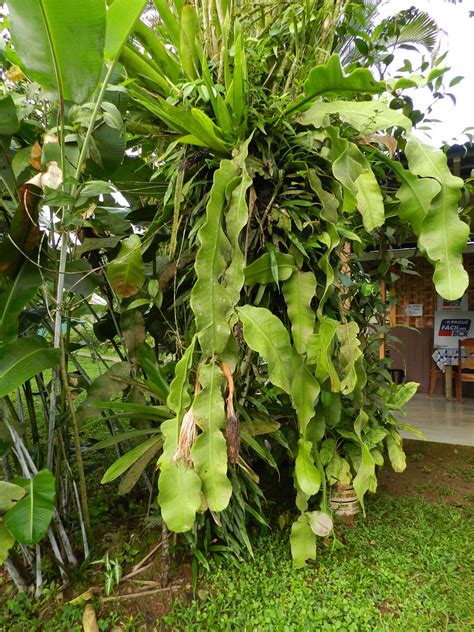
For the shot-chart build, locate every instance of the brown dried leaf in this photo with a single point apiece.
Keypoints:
(89, 620)
(35, 156)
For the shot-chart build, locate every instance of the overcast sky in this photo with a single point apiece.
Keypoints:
(458, 39)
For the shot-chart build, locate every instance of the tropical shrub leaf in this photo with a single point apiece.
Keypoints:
(128, 459)
(23, 358)
(113, 381)
(14, 298)
(43, 31)
(29, 519)
(126, 272)
(349, 354)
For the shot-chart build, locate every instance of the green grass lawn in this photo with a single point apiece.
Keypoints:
(408, 566)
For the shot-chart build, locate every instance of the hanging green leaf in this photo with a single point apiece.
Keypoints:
(235, 220)
(209, 452)
(210, 300)
(60, 44)
(265, 333)
(302, 541)
(22, 359)
(365, 478)
(320, 346)
(443, 235)
(126, 272)
(260, 270)
(330, 238)
(14, 298)
(307, 474)
(360, 186)
(299, 291)
(29, 519)
(349, 354)
(179, 486)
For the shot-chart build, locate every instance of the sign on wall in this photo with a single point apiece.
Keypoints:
(415, 309)
(460, 305)
(449, 328)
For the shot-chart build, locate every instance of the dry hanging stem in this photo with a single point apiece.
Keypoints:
(232, 431)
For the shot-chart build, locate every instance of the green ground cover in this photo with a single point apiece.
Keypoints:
(407, 566)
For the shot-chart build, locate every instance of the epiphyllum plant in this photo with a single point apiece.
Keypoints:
(303, 165)
(273, 164)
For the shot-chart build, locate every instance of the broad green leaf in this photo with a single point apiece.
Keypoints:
(307, 474)
(329, 80)
(320, 523)
(299, 291)
(260, 270)
(304, 394)
(122, 464)
(7, 540)
(349, 353)
(60, 43)
(366, 117)
(319, 351)
(395, 452)
(23, 358)
(210, 301)
(126, 272)
(9, 123)
(15, 297)
(302, 541)
(330, 238)
(443, 235)
(29, 519)
(121, 17)
(265, 333)
(179, 496)
(415, 194)
(209, 452)
(10, 494)
(113, 381)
